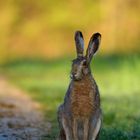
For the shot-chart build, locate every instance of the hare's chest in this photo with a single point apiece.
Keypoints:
(82, 102)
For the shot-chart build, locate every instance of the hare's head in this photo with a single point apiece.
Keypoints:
(81, 65)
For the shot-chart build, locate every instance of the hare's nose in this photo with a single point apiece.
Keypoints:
(71, 76)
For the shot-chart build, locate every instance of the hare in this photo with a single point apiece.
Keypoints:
(80, 115)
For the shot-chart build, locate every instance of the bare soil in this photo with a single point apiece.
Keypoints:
(20, 118)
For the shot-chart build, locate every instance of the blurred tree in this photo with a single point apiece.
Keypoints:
(45, 28)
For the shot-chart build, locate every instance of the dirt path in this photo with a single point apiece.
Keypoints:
(20, 118)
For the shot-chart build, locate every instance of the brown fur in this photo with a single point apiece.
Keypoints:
(82, 98)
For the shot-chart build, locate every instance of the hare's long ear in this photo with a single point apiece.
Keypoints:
(93, 46)
(79, 42)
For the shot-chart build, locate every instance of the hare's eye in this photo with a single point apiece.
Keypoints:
(84, 63)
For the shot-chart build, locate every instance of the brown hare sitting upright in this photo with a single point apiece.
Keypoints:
(80, 115)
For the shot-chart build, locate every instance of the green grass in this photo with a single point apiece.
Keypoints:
(118, 80)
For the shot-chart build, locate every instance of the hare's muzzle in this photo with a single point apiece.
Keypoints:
(75, 77)
(71, 76)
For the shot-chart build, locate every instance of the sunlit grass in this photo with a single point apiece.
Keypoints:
(118, 81)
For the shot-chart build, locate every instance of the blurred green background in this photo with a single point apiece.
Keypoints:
(37, 46)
